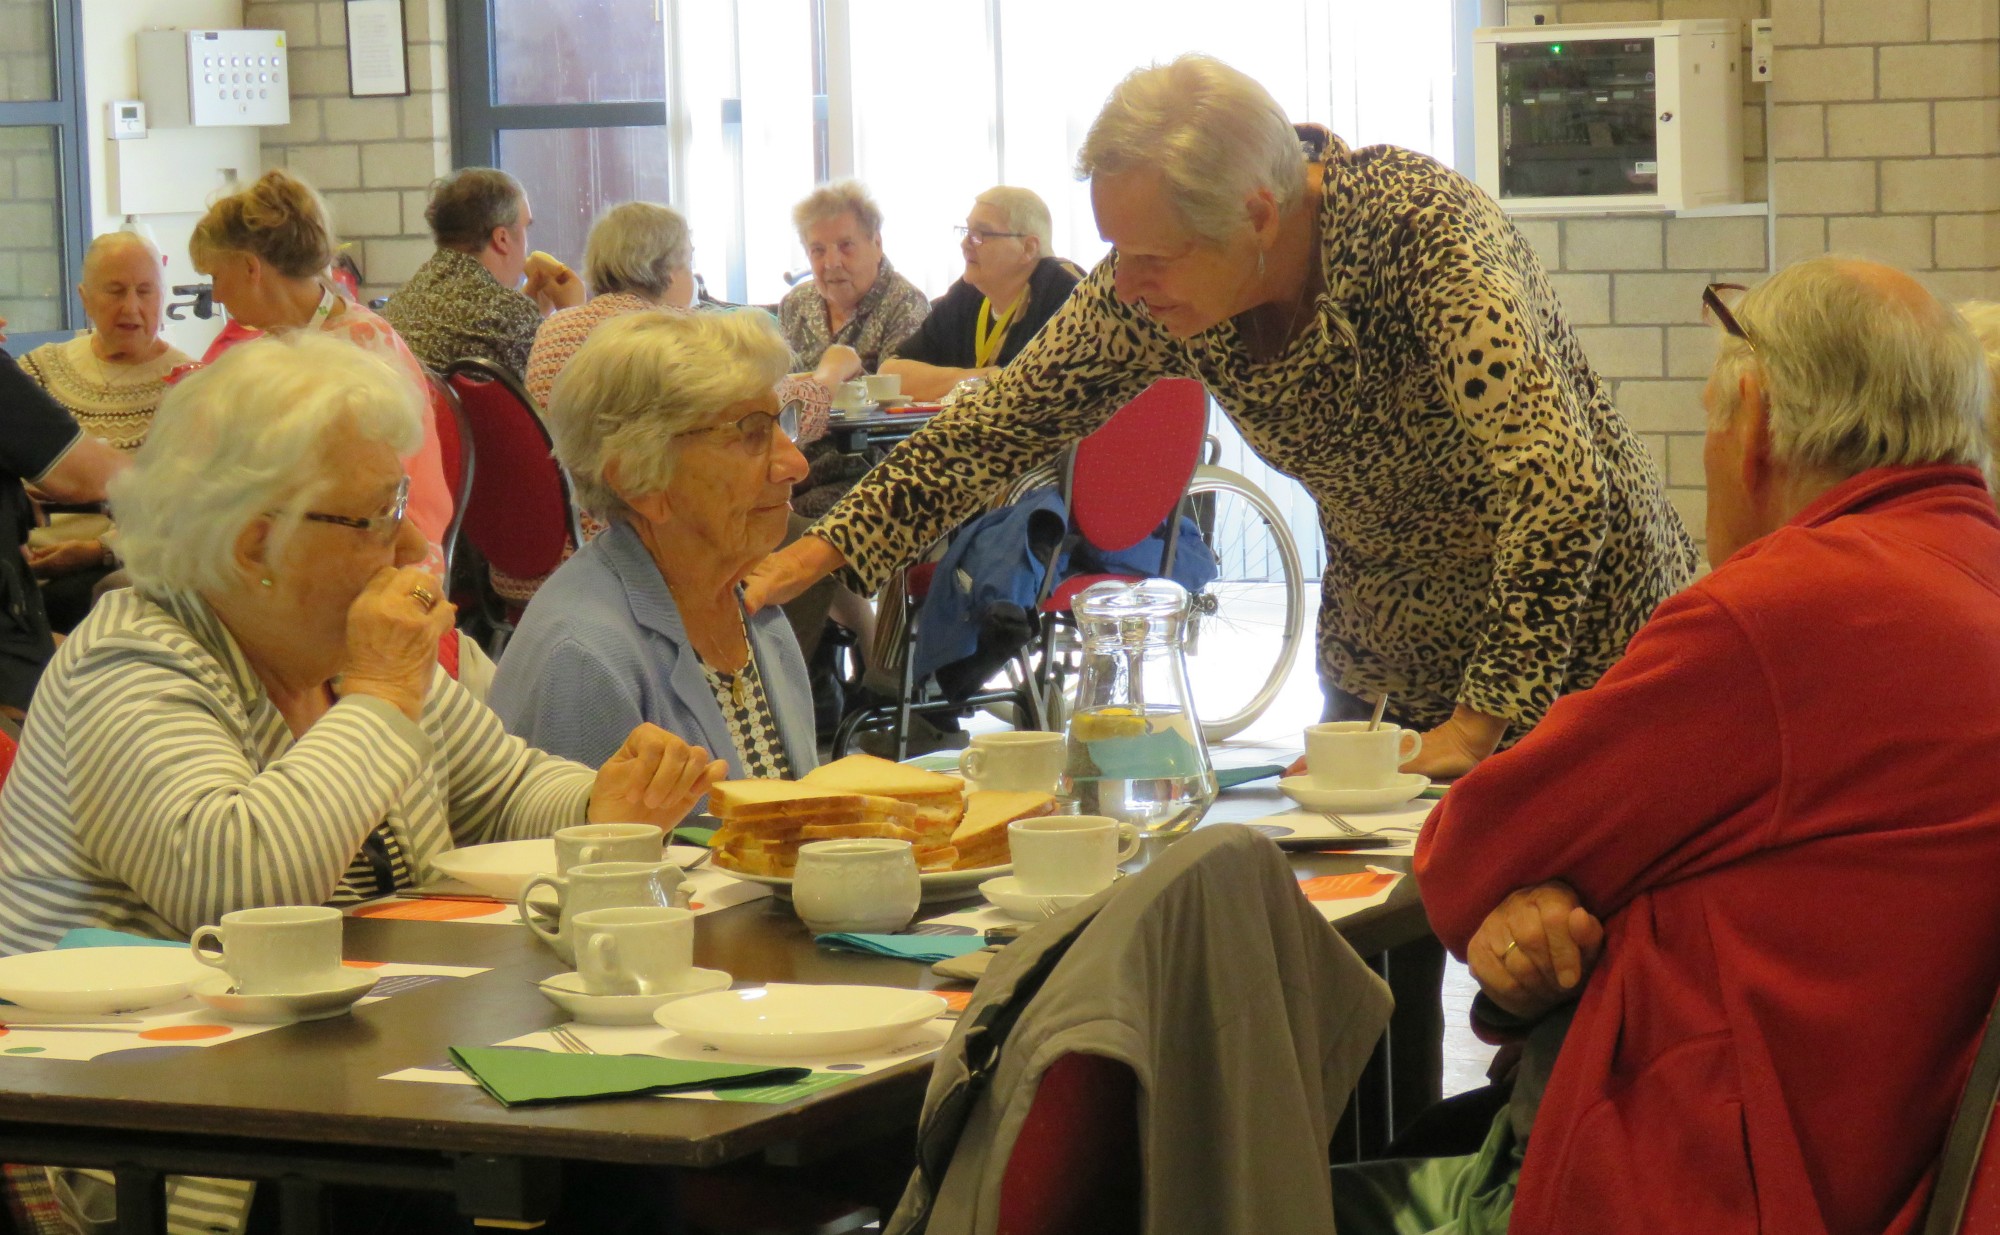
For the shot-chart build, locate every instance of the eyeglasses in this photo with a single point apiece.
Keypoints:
(383, 525)
(753, 432)
(975, 237)
(1715, 311)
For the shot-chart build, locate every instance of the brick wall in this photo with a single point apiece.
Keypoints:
(1886, 142)
(30, 222)
(371, 158)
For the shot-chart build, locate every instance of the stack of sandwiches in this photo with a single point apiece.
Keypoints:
(763, 822)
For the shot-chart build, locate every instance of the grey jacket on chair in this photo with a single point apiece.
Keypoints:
(1244, 1015)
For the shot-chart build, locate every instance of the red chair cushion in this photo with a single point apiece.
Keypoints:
(1982, 1196)
(450, 447)
(917, 580)
(1075, 1166)
(7, 749)
(1131, 473)
(1058, 601)
(518, 514)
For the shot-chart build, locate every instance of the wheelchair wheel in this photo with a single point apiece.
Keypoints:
(1245, 629)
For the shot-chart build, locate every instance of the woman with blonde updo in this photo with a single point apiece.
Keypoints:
(266, 249)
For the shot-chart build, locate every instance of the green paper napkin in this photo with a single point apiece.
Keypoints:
(1229, 778)
(929, 949)
(522, 1077)
(692, 834)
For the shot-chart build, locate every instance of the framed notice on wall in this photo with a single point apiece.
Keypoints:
(378, 57)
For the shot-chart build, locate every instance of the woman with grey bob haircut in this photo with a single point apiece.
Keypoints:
(671, 429)
(641, 247)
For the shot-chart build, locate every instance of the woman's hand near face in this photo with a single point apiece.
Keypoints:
(654, 778)
(790, 571)
(392, 640)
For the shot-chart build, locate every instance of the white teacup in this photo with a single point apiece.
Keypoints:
(1069, 855)
(1344, 754)
(638, 951)
(601, 885)
(1025, 760)
(608, 842)
(282, 950)
(849, 396)
(883, 386)
(856, 885)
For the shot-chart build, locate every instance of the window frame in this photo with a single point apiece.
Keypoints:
(68, 116)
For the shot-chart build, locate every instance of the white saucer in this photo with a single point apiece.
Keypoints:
(785, 1019)
(565, 990)
(1404, 788)
(218, 993)
(1009, 898)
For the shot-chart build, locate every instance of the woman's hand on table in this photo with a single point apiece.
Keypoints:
(654, 778)
(1455, 747)
(1535, 949)
(392, 638)
(839, 363)
(790, 571)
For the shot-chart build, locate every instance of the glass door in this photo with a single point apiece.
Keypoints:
(42, 203)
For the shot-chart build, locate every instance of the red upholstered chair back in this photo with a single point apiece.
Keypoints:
(7, 749)
(1965, 1199)
(1130, 474)
(1075, 1166)
(519, 512)
(455, 446)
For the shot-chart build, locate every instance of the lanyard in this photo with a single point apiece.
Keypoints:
(986, 343)
(328, 298)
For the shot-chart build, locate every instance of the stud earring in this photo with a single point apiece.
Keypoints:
(266, 581)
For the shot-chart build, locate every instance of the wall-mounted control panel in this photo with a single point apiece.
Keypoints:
(196, 78)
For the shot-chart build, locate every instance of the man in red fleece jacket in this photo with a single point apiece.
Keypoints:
(1761, 854)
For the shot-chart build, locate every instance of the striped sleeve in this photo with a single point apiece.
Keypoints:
(500, 787)
(168, 800)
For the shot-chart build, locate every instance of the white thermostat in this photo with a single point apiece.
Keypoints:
(195, 78)
(126, 118)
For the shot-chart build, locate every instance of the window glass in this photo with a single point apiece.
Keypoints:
(27, 51)
(578, 51)
(31, 238)
(573, 175)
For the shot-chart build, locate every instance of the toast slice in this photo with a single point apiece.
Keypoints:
(981, 839)
(938, 799)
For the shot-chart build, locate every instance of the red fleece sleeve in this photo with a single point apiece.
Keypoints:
(1668, 766)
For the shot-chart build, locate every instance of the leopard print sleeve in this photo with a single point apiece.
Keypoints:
(1091, 359)
(1501, 373)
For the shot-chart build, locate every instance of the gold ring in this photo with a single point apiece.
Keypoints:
(424, 597)
(1511, 945)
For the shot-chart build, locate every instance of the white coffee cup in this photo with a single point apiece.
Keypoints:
(856, 885)
(1024, 760)
(883, 386)
(644, 950)
(850, 395)
(608, 842)
(1344, 754)
(282, 950)
(601, 885)
(1069, 855)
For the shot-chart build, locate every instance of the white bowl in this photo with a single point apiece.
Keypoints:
(99, 979)
(783, 1019)
(218, 992)
(565, 991)
(1404, 788)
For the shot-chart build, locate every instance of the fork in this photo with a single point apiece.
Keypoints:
(1351, 830)
(566, 1038)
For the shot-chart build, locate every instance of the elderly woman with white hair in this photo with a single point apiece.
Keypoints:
(1011, 288)
(259, 720)
(673, 433)
(1376, 327)
(638, 258)
(856, 298)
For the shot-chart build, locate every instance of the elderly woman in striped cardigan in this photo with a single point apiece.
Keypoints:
(259, 720)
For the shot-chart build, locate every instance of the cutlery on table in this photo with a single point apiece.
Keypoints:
(566, 1038)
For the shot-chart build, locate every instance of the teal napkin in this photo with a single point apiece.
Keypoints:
(98, 937)
(1229, 778)
(692, 834)
(518, 1077)
(929, 949)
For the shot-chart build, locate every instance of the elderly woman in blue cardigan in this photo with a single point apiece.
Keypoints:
(671, 432)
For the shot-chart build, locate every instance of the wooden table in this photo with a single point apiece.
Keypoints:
(305, 1102)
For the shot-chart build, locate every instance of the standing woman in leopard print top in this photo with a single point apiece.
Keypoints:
(1375, 327)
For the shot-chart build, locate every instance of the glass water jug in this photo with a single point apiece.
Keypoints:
(1136, 751)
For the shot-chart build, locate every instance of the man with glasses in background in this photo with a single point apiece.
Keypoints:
(1011, 286)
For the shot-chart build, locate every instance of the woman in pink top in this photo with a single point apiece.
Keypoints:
(265, 249)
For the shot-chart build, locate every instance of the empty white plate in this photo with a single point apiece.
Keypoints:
(565, 991)
(1405, 787)
(1010, 898)
(218, 993)
(502, 869)
(796, 1020)
(99, 979)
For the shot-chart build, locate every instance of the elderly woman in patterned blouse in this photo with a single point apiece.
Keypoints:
(259, 720)
(1376, 327)
(672, 432)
